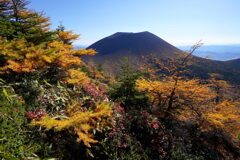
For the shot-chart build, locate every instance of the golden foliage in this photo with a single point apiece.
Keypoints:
(194, 101)
(32, 17)
(186, 93)
(225, 115)
(29, 20)
(76, 76)
(81, 123)
(82, 52)
(204, 102)
(67, 36)
(219, 86)
(22, 56)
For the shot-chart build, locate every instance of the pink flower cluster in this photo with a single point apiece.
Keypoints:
(97, 91)
(153, 124)
(36, 114)
(118, 109)
(45, 99)
(146, 119)
(140, 128)
(119, 132)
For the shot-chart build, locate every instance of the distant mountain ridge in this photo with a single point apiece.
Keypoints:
(112, 49)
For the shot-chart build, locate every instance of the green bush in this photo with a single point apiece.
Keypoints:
(124, 90)
(14, 134)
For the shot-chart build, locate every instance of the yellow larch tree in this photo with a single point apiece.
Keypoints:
(187, 93)
(21, 56)
(81, 123)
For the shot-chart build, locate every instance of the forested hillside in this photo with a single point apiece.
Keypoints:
(53, 105)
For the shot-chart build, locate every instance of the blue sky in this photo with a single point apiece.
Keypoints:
(180, 22)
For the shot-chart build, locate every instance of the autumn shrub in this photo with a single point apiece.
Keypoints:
(96, 91)
(136, 134)
(119, 143)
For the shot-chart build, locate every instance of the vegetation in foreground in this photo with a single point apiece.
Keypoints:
(53, 105)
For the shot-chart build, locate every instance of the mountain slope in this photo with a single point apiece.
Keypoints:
(112, 49)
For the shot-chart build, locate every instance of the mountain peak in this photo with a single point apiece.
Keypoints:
(125, 33)
(119, 34)
(128, 34)
(140, 43)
